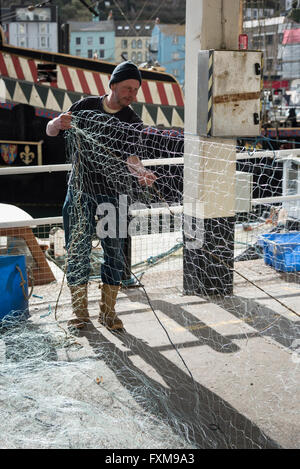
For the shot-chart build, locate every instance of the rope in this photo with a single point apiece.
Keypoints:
(23, 283)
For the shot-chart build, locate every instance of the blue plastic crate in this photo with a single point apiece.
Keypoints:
(282, 250)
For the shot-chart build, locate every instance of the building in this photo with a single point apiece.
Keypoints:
(5, 17)
(35, 29)
(278, 37)
(168, 48)
(93, 39)
(266, 34)
(133, 40)
(289, 53)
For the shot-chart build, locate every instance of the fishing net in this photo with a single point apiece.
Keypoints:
(195, 367)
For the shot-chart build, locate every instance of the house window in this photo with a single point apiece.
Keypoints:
(133, 56)
(101, 53)
(124, 44)
(78, 52)
(279, 65)
(257, 41)
(44, 28)
(269, 64)
(101, 40)
(269, 39)
(22, 28)
(90, 53)
(89, 40)
(139, 57)
(22, 41)
(133, 43)
(44, 41)
(139, 44)
(78, 41)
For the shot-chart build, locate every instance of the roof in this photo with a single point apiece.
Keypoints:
(172, 29)
(136, 28)
(91, 26)
(291, 36)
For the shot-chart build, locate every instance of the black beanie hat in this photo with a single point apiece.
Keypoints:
(125, 71)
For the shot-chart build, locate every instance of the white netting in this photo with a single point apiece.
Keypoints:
(193, 369)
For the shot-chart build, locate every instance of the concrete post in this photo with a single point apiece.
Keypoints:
(209, 173)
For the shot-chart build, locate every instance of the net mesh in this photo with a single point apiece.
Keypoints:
(192, 369)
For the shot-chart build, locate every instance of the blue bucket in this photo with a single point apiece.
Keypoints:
(13, 287)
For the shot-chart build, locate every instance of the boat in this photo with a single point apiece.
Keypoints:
(36, 86)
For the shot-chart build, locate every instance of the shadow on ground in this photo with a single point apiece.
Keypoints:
(192, 411)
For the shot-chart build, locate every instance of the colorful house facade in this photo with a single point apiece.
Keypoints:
(93, 39)
(168, 48)
(133, 40)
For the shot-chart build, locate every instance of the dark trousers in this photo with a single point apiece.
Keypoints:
(79, 213)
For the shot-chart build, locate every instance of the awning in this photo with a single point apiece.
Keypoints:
(291, 36)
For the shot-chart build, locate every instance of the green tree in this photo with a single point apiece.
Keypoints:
(73, 10)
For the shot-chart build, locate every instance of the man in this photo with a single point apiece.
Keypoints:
(124, 84)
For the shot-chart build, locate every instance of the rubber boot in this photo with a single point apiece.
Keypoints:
(79, 306)
(108, 316)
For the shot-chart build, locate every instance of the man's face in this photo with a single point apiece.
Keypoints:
(124, 92)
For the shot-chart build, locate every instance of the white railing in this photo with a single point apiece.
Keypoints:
(278, 154)
(45, 168)
(51, 168)
(160, 241)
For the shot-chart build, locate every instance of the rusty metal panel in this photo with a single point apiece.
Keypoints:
(229, 104)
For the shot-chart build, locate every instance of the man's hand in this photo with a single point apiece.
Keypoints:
(62, 122)
(65, 120)
(145, 176)
(148, 178)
